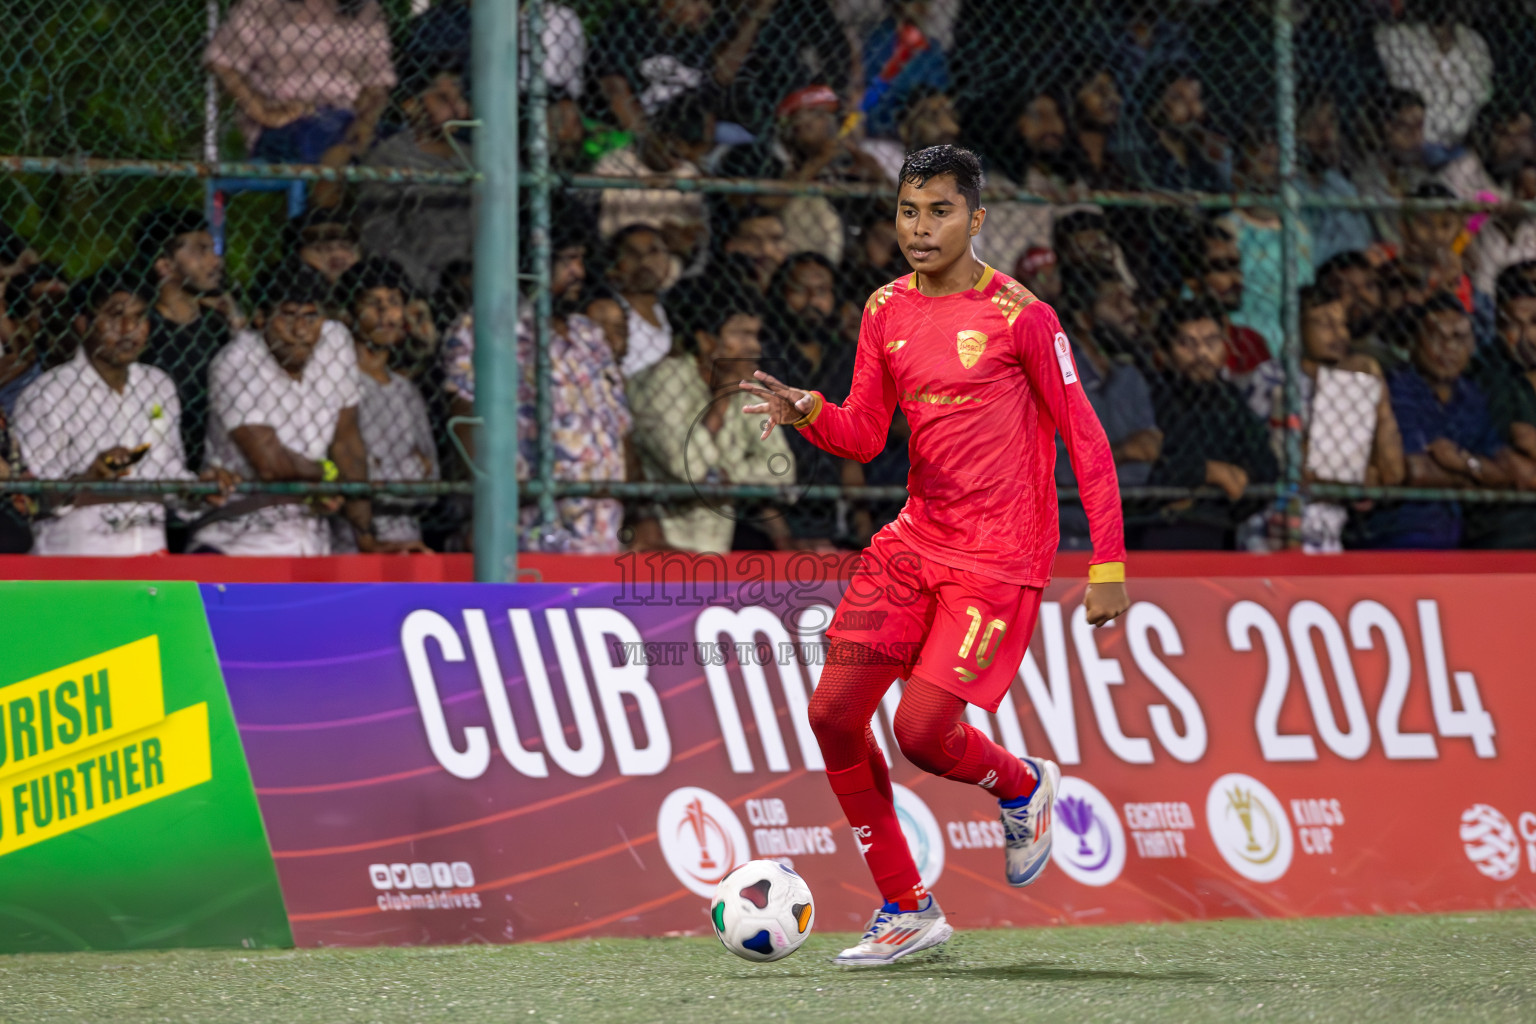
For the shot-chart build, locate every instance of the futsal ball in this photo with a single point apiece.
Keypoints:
(762, 911)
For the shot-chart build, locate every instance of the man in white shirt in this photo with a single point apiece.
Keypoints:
(283, 406)
(104, 416)
(392, 415)
(638, 272)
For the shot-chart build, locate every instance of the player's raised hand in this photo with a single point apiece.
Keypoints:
(783, 404)
(1105, 602)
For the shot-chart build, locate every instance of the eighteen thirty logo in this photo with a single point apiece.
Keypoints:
(1089, 844)
(922, 831)
(1489, 840)
(701, 838)
(1249, 827)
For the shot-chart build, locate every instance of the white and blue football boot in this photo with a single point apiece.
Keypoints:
(1027, 824)
(893, 934)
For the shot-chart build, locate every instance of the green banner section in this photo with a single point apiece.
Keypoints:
(127, 815)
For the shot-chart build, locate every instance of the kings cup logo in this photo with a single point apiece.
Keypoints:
(701, 838)
(1089, 843)
(1249, 827)
(970, 345)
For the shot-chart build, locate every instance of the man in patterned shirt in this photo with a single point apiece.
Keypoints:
(947, 595)
(590, 415)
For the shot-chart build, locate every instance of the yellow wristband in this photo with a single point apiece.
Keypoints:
(329, 472)
(1107, 572)
(810, 417)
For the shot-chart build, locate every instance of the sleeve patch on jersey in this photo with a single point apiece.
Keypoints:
(1011, 298)
(1064, 359)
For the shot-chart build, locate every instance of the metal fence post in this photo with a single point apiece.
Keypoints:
(1290, 252)
(539, 211)
(495, 96)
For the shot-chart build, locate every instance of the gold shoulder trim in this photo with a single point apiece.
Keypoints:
(1011, 298)
(879, 297)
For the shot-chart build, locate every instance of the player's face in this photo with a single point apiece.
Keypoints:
(1198, 350)
(1325, 333)
(120, 330)
(381, 317)
(933, 224)
(1517, 328)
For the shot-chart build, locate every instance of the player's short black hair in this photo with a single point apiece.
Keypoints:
(88, 294)
(926, 164)
(1184, 311)
(1516, 282)
(362, 278)
(290, 281)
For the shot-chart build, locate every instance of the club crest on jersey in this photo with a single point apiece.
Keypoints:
(970, 345)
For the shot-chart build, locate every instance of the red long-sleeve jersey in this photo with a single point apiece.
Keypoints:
(986, 379)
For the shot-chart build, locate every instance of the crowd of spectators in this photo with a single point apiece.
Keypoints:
(351, 356)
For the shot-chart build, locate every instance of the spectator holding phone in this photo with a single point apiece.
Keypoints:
(104, 416)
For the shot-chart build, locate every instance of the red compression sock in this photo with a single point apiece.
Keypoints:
(932, 736)
(852, 684)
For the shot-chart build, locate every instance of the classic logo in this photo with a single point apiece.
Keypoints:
(1064, 359)
(924, 838)
(895, 345)
(1090, 843)
(970, 345)
(1489, 840)
(701, 838)
(1249, 827)
(861, 833)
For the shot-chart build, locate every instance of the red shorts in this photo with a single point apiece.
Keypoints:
(960, 631)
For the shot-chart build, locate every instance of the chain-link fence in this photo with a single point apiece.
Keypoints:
(1290, 242)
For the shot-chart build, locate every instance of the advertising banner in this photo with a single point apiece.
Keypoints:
(127, 818)
(462, 763)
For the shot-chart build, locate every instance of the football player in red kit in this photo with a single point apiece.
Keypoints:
(947, 595)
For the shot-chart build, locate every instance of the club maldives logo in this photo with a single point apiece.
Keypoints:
(701, 838)
(922, 831)
(1249, 826)
(1089, 844)
(1490, 842)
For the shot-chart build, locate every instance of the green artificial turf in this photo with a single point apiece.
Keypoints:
(1450, 969)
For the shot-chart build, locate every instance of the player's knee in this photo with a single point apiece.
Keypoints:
(919, 740)
(830, 719)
